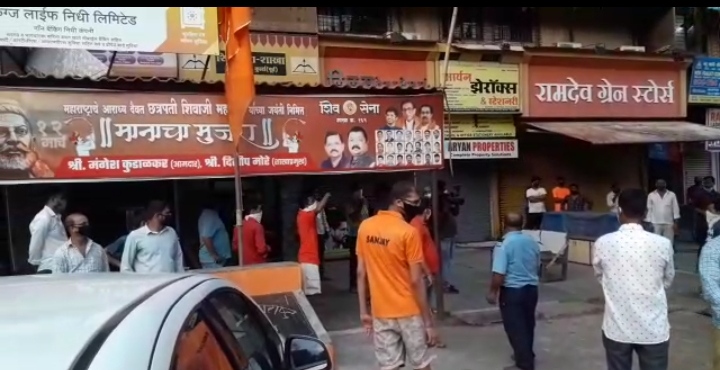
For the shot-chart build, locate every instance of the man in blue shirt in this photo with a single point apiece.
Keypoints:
(516, 261)
(215, 248)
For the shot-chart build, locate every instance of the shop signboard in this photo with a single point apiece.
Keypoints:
(473, 87)
(568, 91)
(481, 149)
(479, 127)
(373, 68)
(160, 29)
(277, 58)
(705, 81)
(116, 135)
(712, 119)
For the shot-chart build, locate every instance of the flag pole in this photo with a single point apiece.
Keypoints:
(239, 93)
(440, 283)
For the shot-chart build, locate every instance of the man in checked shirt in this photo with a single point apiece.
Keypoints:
(79, 254)
(710, 279)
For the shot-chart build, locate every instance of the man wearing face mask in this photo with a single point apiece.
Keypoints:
(390, 268)
(79, 254)
(154, 247)
(309, 253)
(255, 249)
(47, 234)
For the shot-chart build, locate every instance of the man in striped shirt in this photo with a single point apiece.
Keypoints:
(79, 254)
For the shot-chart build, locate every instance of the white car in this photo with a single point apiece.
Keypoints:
(138, 322)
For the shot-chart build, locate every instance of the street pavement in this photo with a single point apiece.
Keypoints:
(569, 314)
(560, 344)
(337, 308)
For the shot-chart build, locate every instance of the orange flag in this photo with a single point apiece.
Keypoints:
(239, 78)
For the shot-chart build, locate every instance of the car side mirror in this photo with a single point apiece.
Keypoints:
(306, 353)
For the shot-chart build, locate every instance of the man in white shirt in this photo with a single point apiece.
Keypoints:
(47, 234)
(663, 210)
(535, 197)
(612, 197)
(79, 254)
(634, 268)
(154, 247)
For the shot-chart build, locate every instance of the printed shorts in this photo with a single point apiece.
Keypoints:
(400, 340)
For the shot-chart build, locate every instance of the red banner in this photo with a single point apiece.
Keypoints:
(114, 135)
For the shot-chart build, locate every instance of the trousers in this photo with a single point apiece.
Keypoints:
(650, 356)
(517, 308)
(665, 230)
(447, 251)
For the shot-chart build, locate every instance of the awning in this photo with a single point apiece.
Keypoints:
(614, 132)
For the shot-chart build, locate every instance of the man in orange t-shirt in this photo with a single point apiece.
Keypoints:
(309, 253)
(390, 268)
(559, 193)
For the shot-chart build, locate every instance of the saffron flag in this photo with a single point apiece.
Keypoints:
(239, 78)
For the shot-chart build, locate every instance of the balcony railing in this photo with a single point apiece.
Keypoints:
(494, 25)
(354, 20)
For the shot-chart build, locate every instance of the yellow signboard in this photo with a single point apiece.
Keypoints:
(474, 87)
(277, 58)
(479, 127)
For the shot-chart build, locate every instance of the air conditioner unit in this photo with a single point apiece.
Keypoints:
(411, 35)
(637, 49)
(571, 45)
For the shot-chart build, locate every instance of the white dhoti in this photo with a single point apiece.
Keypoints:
(311, 279)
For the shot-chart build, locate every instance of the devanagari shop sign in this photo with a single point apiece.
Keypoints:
(120, 135)
(144, 29)
(473, 87)
(577, 92)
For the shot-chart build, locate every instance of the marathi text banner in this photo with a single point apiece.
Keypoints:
(84, 135)
(192, 30)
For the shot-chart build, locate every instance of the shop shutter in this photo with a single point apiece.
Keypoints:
(696, 162)
(473, 176)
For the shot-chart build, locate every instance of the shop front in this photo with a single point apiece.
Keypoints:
(482, 99)
(701, 159)
(590, 119)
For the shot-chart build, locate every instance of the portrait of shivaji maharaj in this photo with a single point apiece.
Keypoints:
(18, 158)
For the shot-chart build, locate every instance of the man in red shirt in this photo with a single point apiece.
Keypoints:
(255, 249)
(431, 265)
(309, 253)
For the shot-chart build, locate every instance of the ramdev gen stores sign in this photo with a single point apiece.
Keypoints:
(481, 149)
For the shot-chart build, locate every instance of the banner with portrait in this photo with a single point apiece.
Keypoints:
(119, 135)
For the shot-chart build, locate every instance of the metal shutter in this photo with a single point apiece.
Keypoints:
(473, 176)
(696, 162)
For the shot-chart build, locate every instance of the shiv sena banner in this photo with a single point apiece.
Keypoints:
(119, 135)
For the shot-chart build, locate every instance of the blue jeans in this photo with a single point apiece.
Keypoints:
(447, 252)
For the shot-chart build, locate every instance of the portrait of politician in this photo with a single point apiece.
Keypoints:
(358, 145)
(335, 150)
(427, 123)
(18, 158)
(391, 120)
(410, 120)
